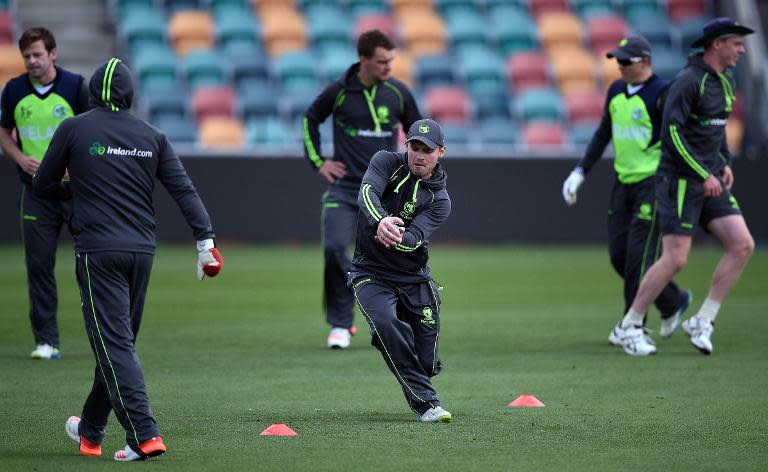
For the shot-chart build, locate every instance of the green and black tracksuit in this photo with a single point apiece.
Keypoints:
(113, 160)
(696, 112)
(35, 116)
(632, 121)
(393, 286)
(365, 121)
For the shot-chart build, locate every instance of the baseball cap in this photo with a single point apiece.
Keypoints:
(630, 48)
(428, 132)
(721, 26)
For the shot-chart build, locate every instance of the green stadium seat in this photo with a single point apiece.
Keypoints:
(492, 6)
(205, 67)
(178, 130)
(636, 10)
(482, 69)
(434, 70)
(581, 134)
(334, 63)
(456, 134)
(542, 104)
(173, 6)
(143, 29)
(658, 31)
(220, 6)
(128, 7)
(295, 71)
(667, 62)
(589, 8)
(163, 103)
(232, 27)
(248, 64)
(466, 29)
(155, 68)
(497, 132)
(257, 101)
(269, 132)
(367, 7)
(490, 104)
(455, 7)
(690, 29)
(329, 29)
(514, 31)
(293, 104)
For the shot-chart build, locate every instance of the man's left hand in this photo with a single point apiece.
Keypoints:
(390, 231)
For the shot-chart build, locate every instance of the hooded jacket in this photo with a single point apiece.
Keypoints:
(113, 159)
(389, 189)
(365, 121)
(696, 112)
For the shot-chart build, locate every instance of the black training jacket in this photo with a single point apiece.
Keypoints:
(365, 121)
(389, 189)
(113, 159)
(696, 112)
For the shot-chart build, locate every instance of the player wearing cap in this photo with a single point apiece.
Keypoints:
(366, 106)
(694, 180)
(403, 200)
(632, 121)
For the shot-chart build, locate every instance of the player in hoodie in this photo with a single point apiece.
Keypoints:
(366, 106)
(403, 200)
(113, 159)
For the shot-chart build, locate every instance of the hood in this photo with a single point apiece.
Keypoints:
(697, 60)
(111, 86)
(349, 80)
(439, 179)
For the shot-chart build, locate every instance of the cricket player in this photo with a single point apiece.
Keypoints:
(113, 160)
(403, 200)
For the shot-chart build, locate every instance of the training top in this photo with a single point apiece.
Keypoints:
(365, 121)
(696, 112)
(35, 116)
(113, 159)
(389, 189)
(633, 123)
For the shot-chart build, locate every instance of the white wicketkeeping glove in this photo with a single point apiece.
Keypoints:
(209, 261)
(572, 184)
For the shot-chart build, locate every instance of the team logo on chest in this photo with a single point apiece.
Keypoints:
(407, 212)
(382, 113)
(637, 114)
(60, 112)
(428, 319)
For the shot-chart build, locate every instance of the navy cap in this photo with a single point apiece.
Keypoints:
(428, 132)
(631, 47)
(721, 26)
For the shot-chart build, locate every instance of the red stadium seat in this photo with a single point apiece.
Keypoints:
(527, 70)
(213, 102)
(6, 27)
(584, 106)
(448, 104)
(680, 9)
(542, 134)
(540, 7)
(605, 32)
(380, 21)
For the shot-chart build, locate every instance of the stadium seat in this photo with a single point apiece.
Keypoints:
(690, 29)
(402, 8)
(490, 104)
(128, 7)
(380, 21)
(283, 30)
(584, 106)
(240, 28)
(545, 7)
(605, 32)
(173, 6)
(543, 135)
(497, 132)
(539, 105)
(573, 69)
(291, 106)
(257, 101)
(456, 134)
(11, 63)
(734, 133)
(434, 70)
(178, 130)
(527, 70)
(368, 7)
(334, 63)
(492, 5)
(667, 62)
(467, 29)
(481, 68)
(453, 7)
(155, 67)
(329, 29)
(423, 33)
(402, 68)
(658, 31)
(581, 134)
(681, 9)
(222, 132)
(162, 103)
(6, 27)
(267, 131)
(204, 68)
(588, 8)
(636, 10)
(145, 28)
(213, 101)
(610, 71)
(230, 5)
(513, 30)
(447, 104)
(295, 70)
(248, 64)
(191, 29)
(559, 31)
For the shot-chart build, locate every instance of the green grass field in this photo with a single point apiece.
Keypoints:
(226, 358)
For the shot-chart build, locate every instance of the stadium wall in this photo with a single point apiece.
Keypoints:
(494, 200)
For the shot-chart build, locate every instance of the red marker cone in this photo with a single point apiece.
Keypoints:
(278, 430)
(526, 401)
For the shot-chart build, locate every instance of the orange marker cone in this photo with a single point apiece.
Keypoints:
(526, 401)
(278, 430)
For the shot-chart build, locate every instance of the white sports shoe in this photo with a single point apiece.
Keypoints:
(619, 332)
(339, 338)
(700, 331)
(45, 351)
(72, 425)
(669, 325)
(435, 415)
(635, 342)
